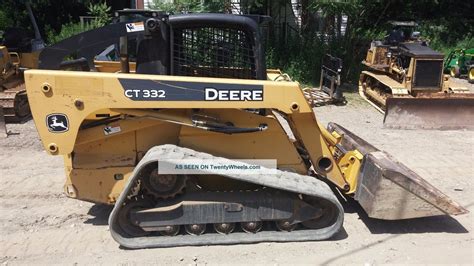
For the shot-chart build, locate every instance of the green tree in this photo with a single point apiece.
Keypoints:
(101, 12)
(446, 23)
(185, 6)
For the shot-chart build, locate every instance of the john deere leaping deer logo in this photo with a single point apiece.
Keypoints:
(57, 123)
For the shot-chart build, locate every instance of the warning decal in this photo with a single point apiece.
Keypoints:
(135, 26)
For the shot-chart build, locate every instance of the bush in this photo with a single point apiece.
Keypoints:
(185, 6)
(67, 30)
(5, 21)
(99, 11)
(440, 40)
(301, 55)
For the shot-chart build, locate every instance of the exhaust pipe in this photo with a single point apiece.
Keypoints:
(37, 43)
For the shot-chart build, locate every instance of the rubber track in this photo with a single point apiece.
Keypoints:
(292, 182)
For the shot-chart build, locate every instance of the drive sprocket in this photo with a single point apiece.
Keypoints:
(163, 186)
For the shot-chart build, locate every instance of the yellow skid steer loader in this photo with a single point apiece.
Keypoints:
(195, 88)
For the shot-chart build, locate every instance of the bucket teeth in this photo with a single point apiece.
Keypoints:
(389, 190)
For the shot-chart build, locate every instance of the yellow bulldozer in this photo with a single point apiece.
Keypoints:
(404, 80)
(191, 93)
(18, 52)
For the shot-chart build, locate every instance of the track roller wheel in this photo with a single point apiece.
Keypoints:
(124, 220)
(195, 229)
(285, 225)
(171, 230)
(224, 228)
(251, 227)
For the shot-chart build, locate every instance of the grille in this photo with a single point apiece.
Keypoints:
(213, 52)
(428, 73)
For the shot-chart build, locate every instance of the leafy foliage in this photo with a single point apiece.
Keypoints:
(50, 14)
(186, 6)
(5, 20)
(68, 30)
(101, 12)
(448, 24)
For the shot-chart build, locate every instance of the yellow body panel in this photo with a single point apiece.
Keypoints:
(387, 71)
(8, 66)
(248, 146)
(98, 163)
(60, 91)
(29, 60)
(112, 66)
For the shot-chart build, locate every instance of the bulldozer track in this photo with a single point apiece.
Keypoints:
(281, 180)
(362, 92)
(15, 103)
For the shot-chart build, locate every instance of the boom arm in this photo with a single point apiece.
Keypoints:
(79, 94)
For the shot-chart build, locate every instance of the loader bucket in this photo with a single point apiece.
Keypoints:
(441, 113)
(388, 190)
(3, 128)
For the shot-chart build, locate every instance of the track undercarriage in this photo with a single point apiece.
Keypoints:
(14, 101)
(276, 204)
(376, 93)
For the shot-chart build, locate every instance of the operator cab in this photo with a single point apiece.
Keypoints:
(401, 32)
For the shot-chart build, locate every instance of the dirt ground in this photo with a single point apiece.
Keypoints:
(39, 225)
